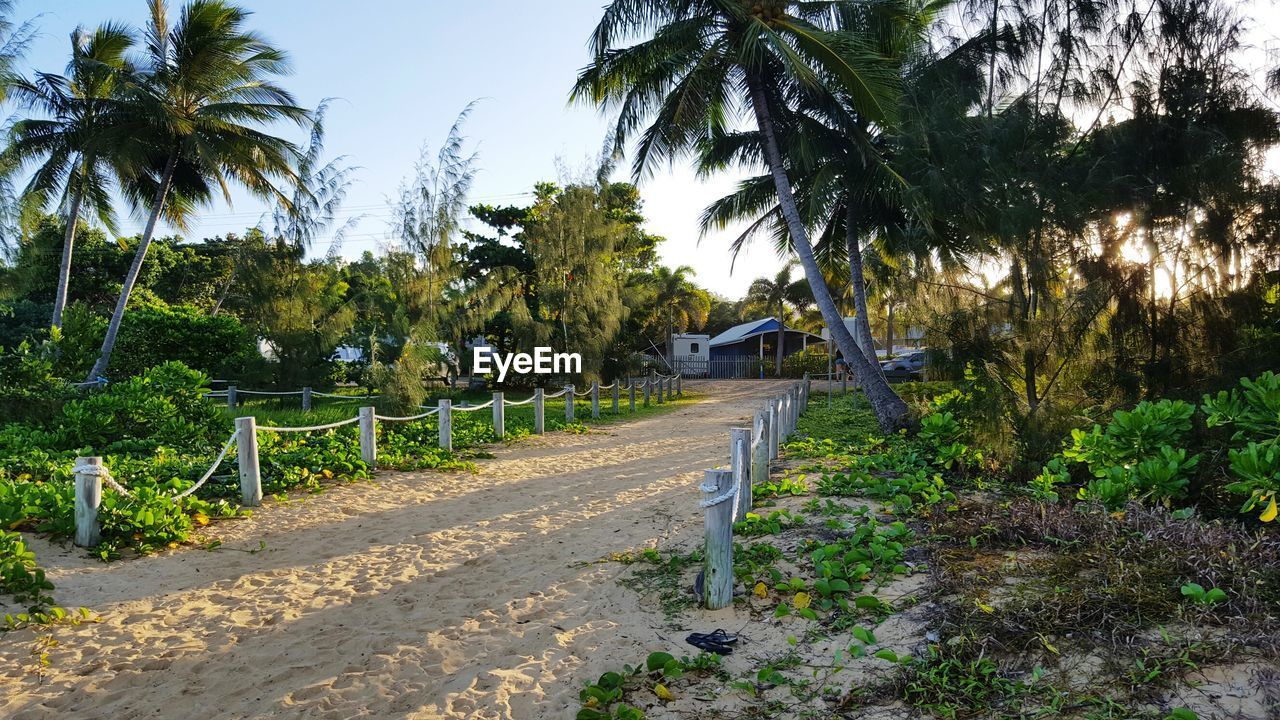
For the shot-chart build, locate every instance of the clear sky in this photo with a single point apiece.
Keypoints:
(401, 70)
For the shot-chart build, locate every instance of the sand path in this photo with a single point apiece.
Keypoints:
(419, 595)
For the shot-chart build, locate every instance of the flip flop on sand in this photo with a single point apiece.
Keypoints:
(718, 642)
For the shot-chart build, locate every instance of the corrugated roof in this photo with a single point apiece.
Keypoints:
(743, 331)
(749, 329)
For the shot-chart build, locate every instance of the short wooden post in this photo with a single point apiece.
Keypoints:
(717, 571)
(617, 390)
(539, 411)
(775, 427)
(631, 383)
(760, 448)
(804, 393)
(306, 399)
(88, 500)
(595, 400)
(499, 416)
(231, 396)
(368, 436)
(660, 391)
(680, 385)
(740, 466)
(446, 423)
(791, 411)
(671, 388)
(647, 384)
(568, 403)
(247, 455)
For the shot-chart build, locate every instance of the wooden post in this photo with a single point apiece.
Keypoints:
(760, 448)
(88, 500)
(647, 384)
(680, 385)
(247, 455)
(539, 411)
(804, 393)
(446, 423)
(617, 390)
(568, 403)
(499, 416)
(368, 436)
(231, 396)
(595, 400)
(661, 392)
(717, 571)
(671, 388)
(791, 410)
(306, 399)
(775, 427)
(631, 383)
(740, 466)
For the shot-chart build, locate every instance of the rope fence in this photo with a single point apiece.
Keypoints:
(91, 474)
(726, 493)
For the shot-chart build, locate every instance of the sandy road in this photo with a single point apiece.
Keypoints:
(420, 595)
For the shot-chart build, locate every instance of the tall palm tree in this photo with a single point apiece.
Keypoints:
(14, 39)
(207, 83)
(703, 61)
(677, 302)
(80, 165)
(847, 169)
(776, 296)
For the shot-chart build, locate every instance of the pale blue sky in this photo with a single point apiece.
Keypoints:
(401, 70)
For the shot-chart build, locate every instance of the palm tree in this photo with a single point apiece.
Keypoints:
(775, 296)
(207, 83)
(80, 164)
(705, 60)
(677, 303)
(14, 38)
(847, 170)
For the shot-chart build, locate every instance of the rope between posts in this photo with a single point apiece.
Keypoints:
(469, 408)
(310, 428)
(555, 395)
(218, 461)
(513, 403)
(343, 397)
(722, 497)
(584, 393)
(267, 392)
(102, 472)
(407, 418)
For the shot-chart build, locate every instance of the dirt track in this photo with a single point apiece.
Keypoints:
(419, 595)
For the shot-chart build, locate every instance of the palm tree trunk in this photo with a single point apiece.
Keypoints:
(888, 326)
(891, 412)
(64, 269)
(135, 269)
(859, 286)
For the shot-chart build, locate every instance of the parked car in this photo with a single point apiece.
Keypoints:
(905, 367)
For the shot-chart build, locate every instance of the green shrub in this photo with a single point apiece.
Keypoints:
(1135, 456)
(214, 344)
